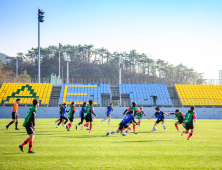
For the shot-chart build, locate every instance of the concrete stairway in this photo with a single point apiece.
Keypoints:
(54, 99)
(174, 97)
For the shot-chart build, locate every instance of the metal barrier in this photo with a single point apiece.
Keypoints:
(124, 102)
(111, 81)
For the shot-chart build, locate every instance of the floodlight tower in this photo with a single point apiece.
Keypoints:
(67, 59)
(120, 67)
(59, 59)
(40, 19)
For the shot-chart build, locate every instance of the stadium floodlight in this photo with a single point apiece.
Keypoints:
(40, 15)
(60, 46)
(40, 19)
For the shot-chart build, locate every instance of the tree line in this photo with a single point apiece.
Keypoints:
(89, 62)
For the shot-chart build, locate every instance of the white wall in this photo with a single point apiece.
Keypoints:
(52, 112)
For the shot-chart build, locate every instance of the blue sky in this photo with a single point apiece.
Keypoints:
(178, 31)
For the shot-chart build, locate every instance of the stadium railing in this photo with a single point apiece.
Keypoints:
(104, 102)
(111, 81)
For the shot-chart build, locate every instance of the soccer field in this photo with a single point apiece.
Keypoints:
(77, 149)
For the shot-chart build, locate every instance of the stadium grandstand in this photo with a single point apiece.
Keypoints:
(9, 92)
(49, 94)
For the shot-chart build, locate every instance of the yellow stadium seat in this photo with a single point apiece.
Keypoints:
(25, 91)
(199, 94)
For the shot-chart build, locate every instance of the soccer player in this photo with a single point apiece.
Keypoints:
(88, 115)
(129, 118)
(160, 118)
(108, 112)
(72, 111)
(60, 109)
(180, 117)
(188, 121)
(139, 117)
(14, 115)
(134, 108)
(63, 112)
(82, 112)
(29, 124)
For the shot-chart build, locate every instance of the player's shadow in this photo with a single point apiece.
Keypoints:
(144, 141)
(43, 134)
(84, 136)
(10, 153)
(152, 132)
(17, 132)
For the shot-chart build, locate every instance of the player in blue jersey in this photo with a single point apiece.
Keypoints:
(108, 111)
(62, 115)
(129, 118)
(82, 112)
(160, 118)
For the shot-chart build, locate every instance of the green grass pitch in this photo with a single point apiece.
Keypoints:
(77, 149)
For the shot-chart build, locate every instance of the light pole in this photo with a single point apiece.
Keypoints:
(120, 65)
(59, 59)
(16, 67)
(67, 58)
(40, 19)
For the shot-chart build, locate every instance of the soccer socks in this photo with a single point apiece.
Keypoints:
(26, 141)
(123, 129)
(69, 125)
(109, 119)
(127, 130)
(104, 119)
(16, 125)
(90, 127)
(186, 131)
(134, 128)
(62, 121)
(138, 123)
(57, 120)
(164, 126)
(10, 123)
(177, 127)
(30, 145)
(84, 125)
(113, 132)
(191, 133)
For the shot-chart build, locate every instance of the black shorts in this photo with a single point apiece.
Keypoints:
(161, 120)
(14, 115)
(71, 119)
(122, 125)
(108, 114)
(189, 125)
(88, 118)
(29, 130)
(181, 121)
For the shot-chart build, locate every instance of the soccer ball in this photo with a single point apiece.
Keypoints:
(154, 128)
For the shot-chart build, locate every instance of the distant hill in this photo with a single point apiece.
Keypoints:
(2, 57)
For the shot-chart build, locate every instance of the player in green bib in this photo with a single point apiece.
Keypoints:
(180, 117)
(136, 111)
(88, 115)
(72, 111)
(29, 124)
(188, 121)
(140, 115)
